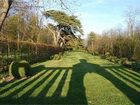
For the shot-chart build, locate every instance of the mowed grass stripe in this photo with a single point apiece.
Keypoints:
(130, 75)
(58, 91)
(65, 88)
(41, 87)
(10, 85)
(123, 80)
(127, 79)
(47, 87)
(11, 91)
(55, 84)
(37, 85)
(132, 72)
(29, 87)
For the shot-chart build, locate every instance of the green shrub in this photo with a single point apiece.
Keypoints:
(57, 56)
(24, 64)
(118, 61)
(13, 69)
(107, 54)
(51, 57)
(19, 69)
(96, 53)
(112, 60)
(124, 60)
(109, 58)
(1, 79)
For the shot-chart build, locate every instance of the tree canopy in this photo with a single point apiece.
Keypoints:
(63, 18)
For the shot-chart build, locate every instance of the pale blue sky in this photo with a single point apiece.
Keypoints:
(100, 15)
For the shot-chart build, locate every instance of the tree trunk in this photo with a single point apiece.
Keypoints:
(4, 9)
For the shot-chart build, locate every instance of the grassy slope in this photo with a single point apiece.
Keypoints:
(78, 78)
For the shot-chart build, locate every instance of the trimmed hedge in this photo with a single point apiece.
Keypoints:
(19, 69)
(32, 52)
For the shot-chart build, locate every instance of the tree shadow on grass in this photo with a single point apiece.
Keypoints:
(64, 85)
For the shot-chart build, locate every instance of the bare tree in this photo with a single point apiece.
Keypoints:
(131, 19)
(5, 7)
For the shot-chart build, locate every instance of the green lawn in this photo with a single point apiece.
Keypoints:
(78, 78)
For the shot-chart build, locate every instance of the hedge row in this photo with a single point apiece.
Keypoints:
(31, 52)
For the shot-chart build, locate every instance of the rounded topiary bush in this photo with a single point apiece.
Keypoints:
(13, 69)
(26, 66)
(20, 69)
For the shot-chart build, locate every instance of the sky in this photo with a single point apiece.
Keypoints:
(101, 15)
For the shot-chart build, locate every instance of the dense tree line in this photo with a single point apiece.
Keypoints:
(115, 43)
(118, 43)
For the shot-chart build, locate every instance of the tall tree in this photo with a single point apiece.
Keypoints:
(91, 41)
(66, 26)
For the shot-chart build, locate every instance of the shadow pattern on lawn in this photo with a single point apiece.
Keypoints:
(64, 85)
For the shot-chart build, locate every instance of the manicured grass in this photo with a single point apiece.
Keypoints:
(78, 78)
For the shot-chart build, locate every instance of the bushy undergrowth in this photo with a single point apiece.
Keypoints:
(123, 61)
(57, 56)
